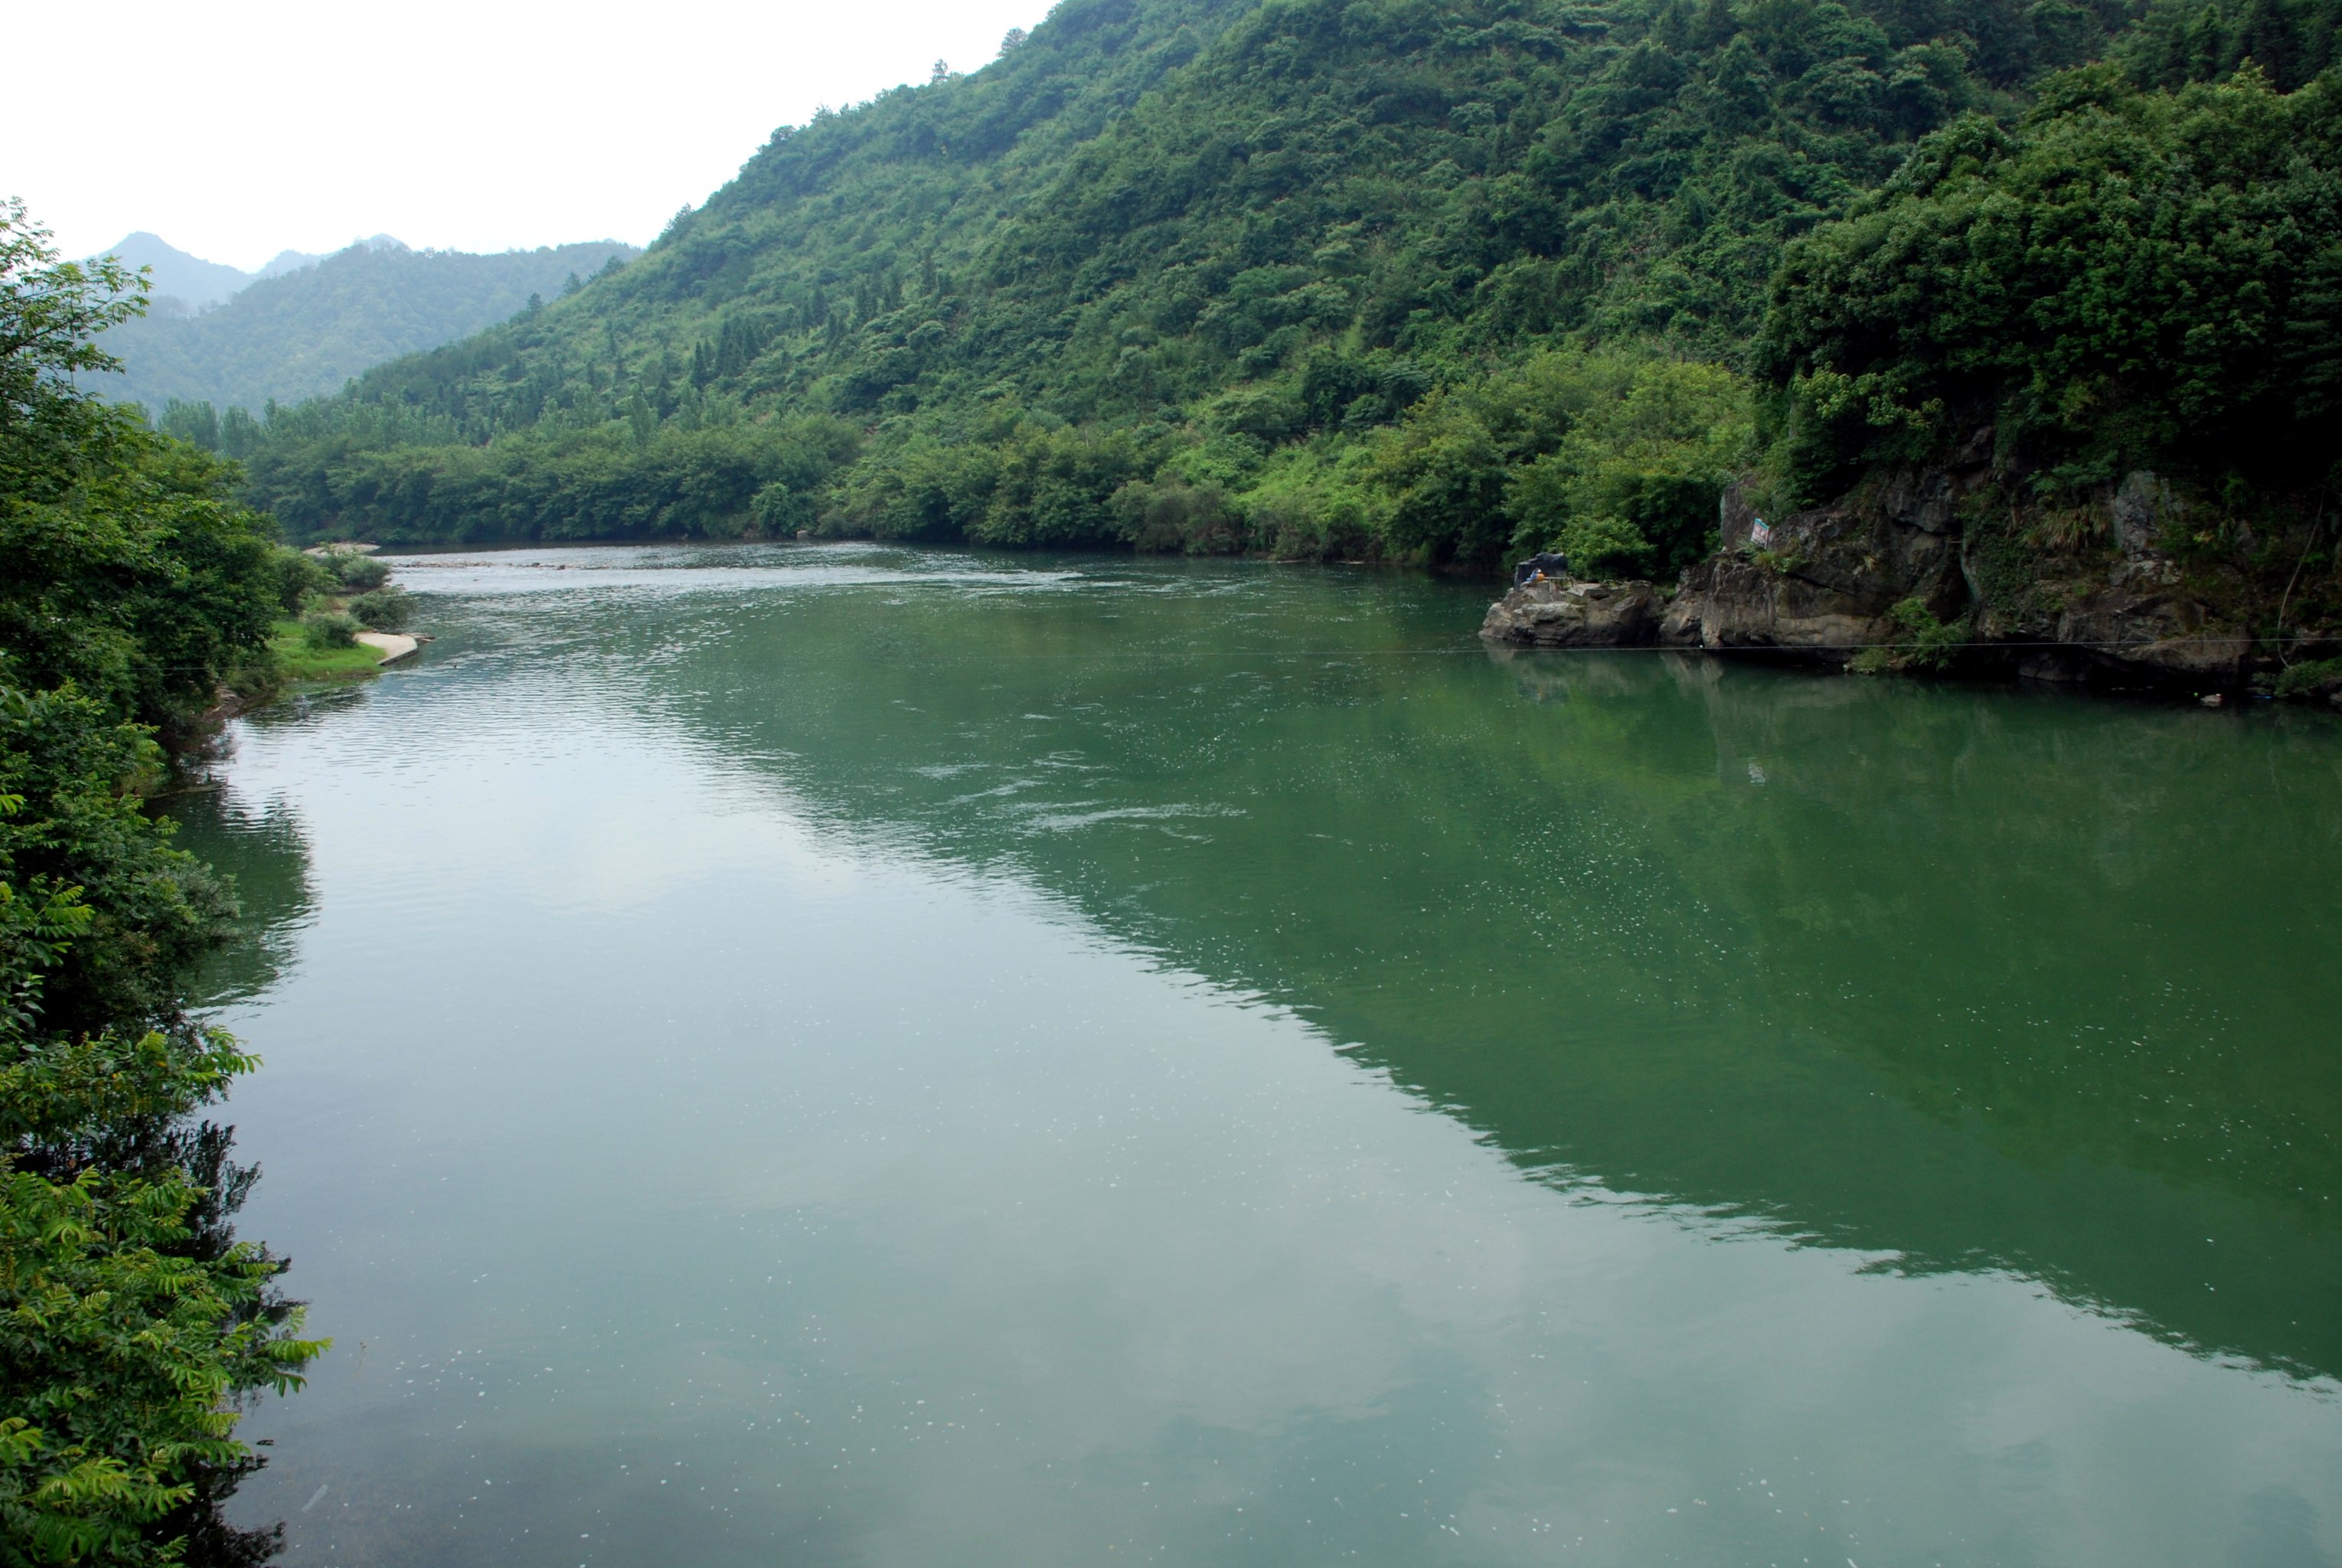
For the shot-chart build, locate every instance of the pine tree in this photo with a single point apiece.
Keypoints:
(2267, 37)
(1714, 24)
(1673, 29)
(2206, 45)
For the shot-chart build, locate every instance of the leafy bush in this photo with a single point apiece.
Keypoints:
(299, 578)
(1616, 458)
(128, 1322)
(1635, 483)
(2312, 679)
(355, 571)
(331, 628)
(1925, 642)
(1169, 513)
(127, 571)
(388, 609)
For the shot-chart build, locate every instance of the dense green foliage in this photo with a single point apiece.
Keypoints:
(143, 582)
(2126, 279)
(127, 567)
(304, 332)
(1303, 276)
(2290, 42)
(130, 1319)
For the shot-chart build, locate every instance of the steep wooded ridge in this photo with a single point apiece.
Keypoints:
(305, 332)
(1447, 281)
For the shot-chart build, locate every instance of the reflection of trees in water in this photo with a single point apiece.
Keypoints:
(262, 854)
(1964, 978)
(260, 849)
(202, 1149)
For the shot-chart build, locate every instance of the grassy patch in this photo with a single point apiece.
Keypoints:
(298, 658)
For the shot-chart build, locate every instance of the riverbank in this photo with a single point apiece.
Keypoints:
(389, 647)
(1914, 577)
(351, 624)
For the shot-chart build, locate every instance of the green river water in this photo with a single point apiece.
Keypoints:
(858, 1055)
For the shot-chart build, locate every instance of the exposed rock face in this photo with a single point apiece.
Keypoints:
(1564, 614)
(1828, 579)
(2121, 613)
(2166, 638)
(2110, 606)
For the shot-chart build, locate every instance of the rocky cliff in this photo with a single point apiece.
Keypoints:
(1932, 568)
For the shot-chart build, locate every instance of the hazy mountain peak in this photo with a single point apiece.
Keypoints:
(175, 275)
(287, 261)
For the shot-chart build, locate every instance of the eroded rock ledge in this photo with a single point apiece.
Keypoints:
(1828, 583)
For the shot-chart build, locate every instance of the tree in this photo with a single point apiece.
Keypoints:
(130, 1320)
(2128, 280)
(51, 312)
(125, 566)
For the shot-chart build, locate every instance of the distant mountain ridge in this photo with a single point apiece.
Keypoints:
(304, 325)
(195, 284)
(175, 275)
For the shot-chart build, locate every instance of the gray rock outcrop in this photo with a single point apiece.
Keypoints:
(2109, 605)
(1828, 580)
(1562, 613)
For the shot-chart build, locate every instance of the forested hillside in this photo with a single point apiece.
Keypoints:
(304, 332)
(1432, 281)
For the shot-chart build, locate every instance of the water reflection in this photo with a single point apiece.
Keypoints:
(258, 847)
(938, 1057)
(1968, 978)
(262, 857)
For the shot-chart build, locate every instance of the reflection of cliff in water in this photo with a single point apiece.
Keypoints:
(1967, 980)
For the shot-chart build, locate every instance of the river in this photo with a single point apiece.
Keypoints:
(863, 1055)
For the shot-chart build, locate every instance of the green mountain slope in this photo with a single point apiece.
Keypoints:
(304, 333)
(1317, 276)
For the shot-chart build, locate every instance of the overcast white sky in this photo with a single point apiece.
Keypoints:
(238, 130)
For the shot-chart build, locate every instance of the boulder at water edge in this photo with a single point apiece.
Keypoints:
(1556, 612)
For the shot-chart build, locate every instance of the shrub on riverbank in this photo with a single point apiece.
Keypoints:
(326, 629)
(387, 609)
(355, 571)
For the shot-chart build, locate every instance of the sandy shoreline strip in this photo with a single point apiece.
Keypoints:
(389, 644)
